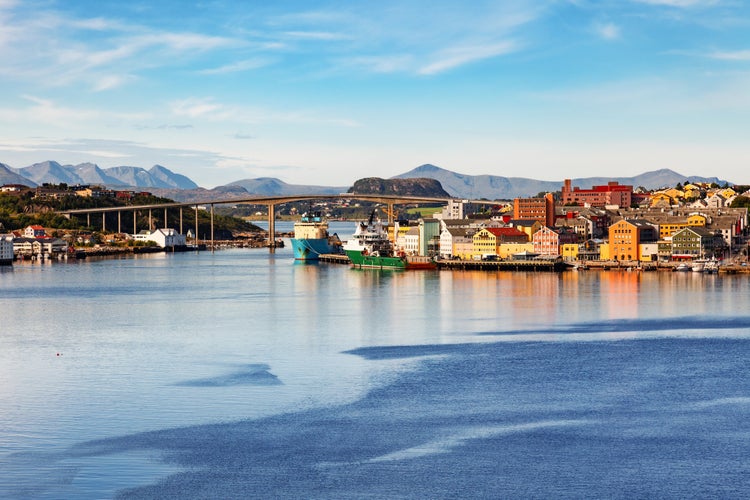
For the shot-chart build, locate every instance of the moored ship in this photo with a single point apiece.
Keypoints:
(311, 238)
(370, 247)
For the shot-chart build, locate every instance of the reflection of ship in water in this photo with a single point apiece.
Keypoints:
(311, 238)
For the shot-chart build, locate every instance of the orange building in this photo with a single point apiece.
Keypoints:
(538, 209)
(626, 236)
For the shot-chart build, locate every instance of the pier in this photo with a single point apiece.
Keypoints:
(478, 265)
(505, 265)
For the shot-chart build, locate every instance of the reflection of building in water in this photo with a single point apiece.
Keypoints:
(620, 293)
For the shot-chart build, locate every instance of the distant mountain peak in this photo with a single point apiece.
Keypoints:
(90, 173)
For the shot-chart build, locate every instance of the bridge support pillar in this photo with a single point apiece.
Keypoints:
(212, 227)
(119, 221)
(271, 226)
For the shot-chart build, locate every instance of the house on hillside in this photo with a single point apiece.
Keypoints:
(34, 231)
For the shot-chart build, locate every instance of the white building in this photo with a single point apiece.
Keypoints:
(6, 249)
(164, 238)
(411, 241)
(453, 236)
(453, 210)
(39, 246)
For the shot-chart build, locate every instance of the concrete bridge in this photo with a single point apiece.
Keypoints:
(268, 201)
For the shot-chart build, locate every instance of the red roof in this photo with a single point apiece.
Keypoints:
(505, 231)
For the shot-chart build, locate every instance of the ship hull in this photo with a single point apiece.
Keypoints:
(311, 248)
(359, 259)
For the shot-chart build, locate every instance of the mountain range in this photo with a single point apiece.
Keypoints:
(493, 187)
(163, 182)
(89, 173)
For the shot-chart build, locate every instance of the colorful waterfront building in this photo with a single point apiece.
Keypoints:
(537, 209)
(626, 236)
(695, 243)
(598, 196)
(548, 241)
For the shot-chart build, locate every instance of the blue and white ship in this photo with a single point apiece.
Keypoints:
(311, 238)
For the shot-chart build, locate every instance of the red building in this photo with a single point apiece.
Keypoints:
(598, 196)
(539, 209)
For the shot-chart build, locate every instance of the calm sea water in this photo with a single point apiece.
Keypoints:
(241, 374)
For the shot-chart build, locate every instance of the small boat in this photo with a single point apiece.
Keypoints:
(371, 248)
(682, 268)
(311, 238)
(711, 267)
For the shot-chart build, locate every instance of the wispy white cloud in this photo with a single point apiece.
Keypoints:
(457, 56)
(240, 66)
(108, 82)
(737, 55)
(198, 108)
(607, 31)
(383, 64)
(40, 112)
(317, 35)
(67, 54)
(680, 3)
(209, 109)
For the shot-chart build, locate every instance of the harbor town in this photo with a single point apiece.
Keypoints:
(688, 227)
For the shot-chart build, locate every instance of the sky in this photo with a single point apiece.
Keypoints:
(328, 92)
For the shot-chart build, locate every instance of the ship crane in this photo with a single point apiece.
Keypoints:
(390, 212)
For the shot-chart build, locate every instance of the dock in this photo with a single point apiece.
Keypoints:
(505, 265)
(334, 258)
(478, 265)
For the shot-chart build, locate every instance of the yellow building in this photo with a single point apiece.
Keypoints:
(660, 198)
(528, 227)
(463, 250)
(604, 253)
(674, 193)
(667, 229)
(697, 220)
(692, 192)
(485, 242)
(507, 250)
(569, 251)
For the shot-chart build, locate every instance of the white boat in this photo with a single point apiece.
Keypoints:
(370, 247)
(682, 268)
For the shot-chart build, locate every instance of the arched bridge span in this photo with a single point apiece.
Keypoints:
(269, 201)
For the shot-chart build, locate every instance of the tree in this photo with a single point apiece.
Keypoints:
(740, 202)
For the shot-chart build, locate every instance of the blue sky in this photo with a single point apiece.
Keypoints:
(327, 92)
